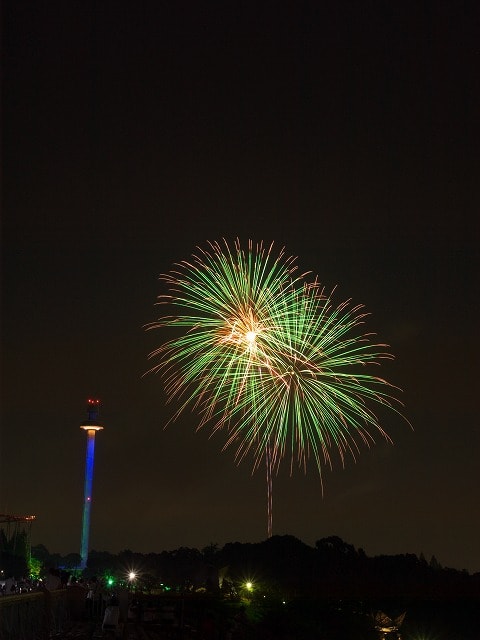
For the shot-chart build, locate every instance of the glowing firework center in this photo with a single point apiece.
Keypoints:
(243, 330)
(250, 337)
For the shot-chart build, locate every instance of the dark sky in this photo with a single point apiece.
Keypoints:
(135, 131)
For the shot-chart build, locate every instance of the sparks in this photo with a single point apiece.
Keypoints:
(265, 356)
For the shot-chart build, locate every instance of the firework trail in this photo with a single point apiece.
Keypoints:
(264, 355)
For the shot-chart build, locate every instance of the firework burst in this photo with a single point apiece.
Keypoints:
(265, 356)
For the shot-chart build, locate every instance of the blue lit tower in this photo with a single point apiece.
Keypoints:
(91, 426)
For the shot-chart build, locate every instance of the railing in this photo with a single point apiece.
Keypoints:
(33, 616)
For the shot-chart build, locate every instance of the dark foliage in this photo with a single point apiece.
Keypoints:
(285, 566)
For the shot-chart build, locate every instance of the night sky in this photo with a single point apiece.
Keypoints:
(134, 132)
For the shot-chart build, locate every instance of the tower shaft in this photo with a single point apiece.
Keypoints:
(87, 503)
(91, 426)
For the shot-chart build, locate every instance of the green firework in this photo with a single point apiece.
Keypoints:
(263, 354)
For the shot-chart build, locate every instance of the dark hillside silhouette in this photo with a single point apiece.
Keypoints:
(332, 569)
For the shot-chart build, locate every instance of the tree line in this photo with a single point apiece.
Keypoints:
(284, 565)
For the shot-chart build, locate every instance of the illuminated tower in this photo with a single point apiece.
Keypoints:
(91, 426)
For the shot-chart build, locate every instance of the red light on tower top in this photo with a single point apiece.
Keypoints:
(93, 410)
